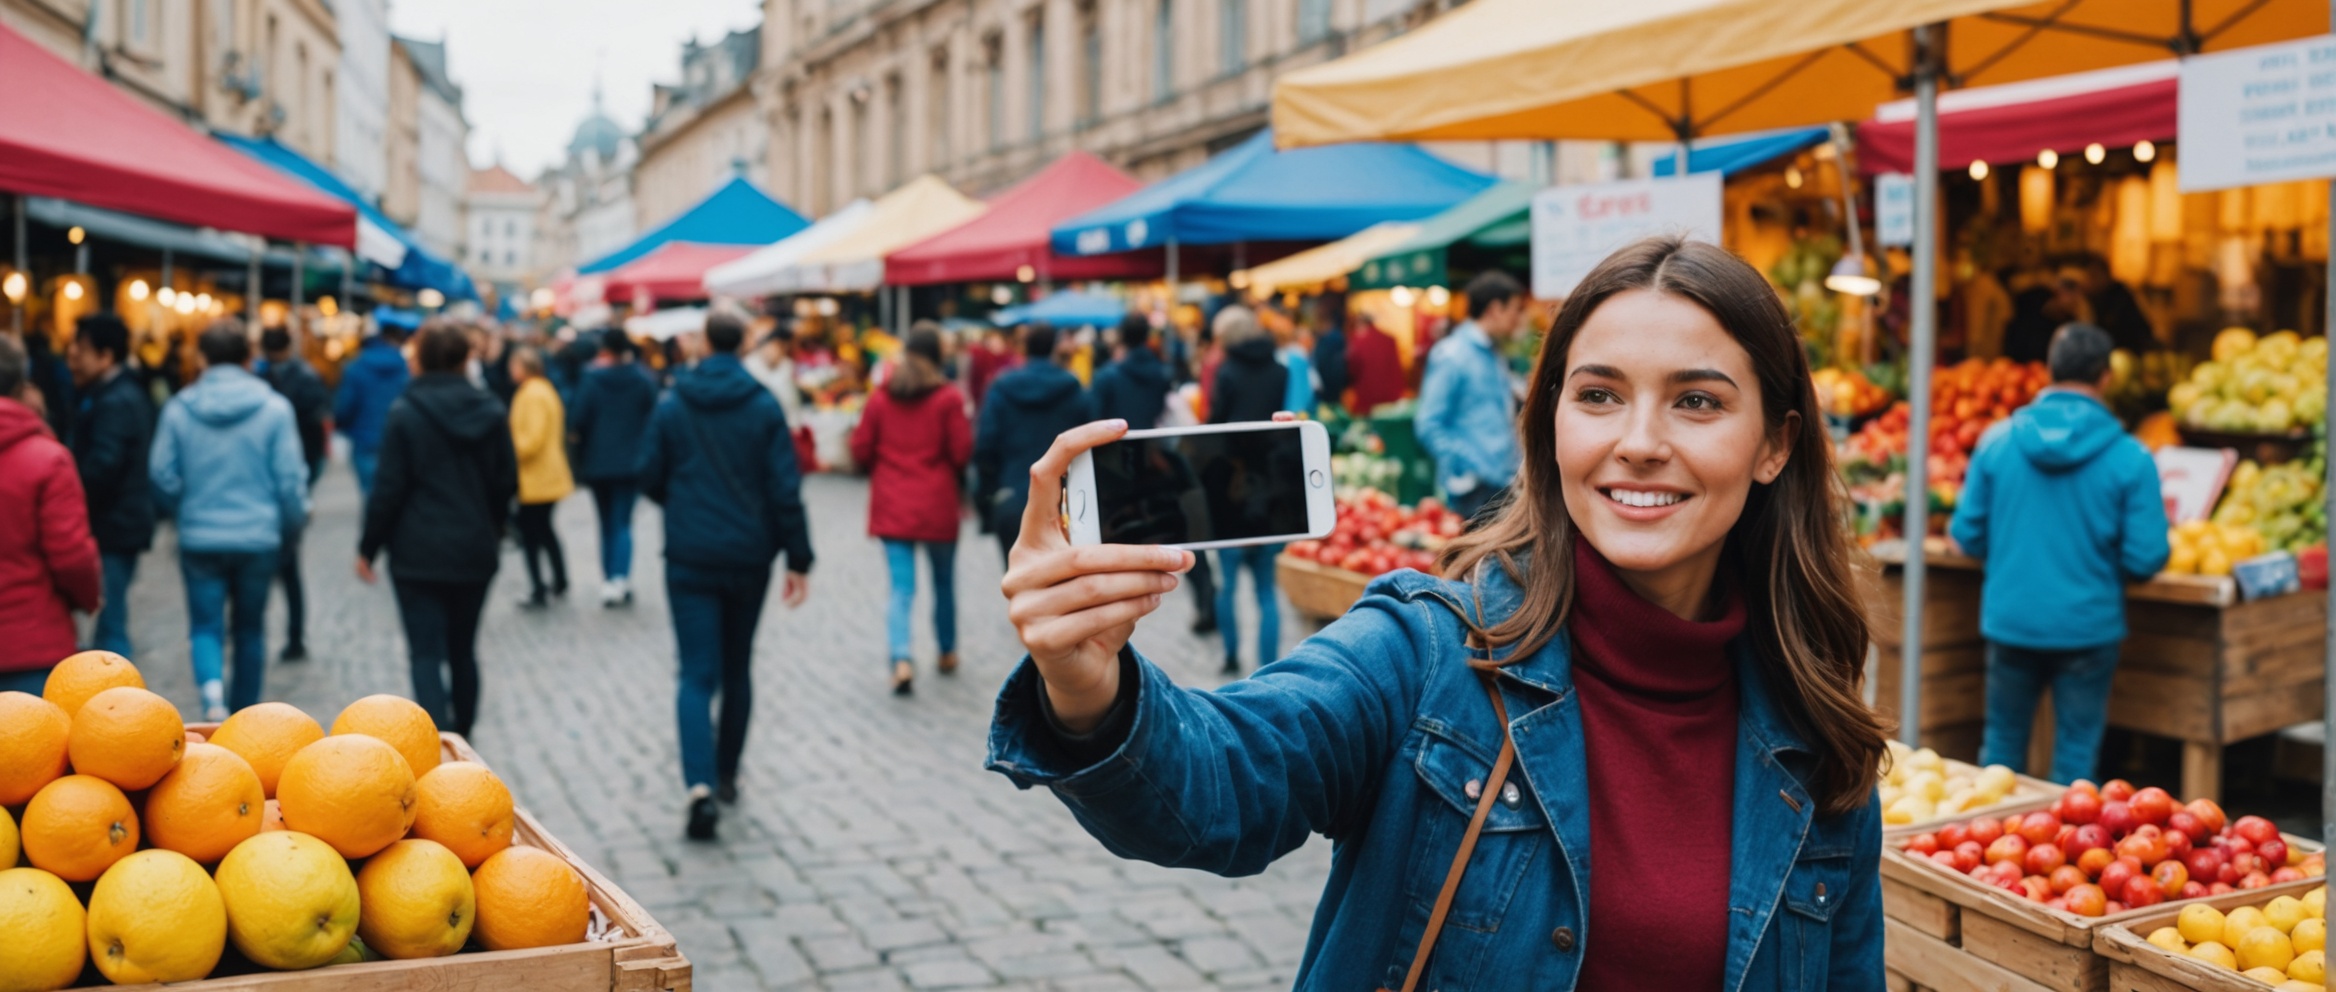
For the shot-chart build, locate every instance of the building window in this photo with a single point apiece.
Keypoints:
(895, 132)
(863, 164)
(937, 114)
(1233, 32)
(1037, 79)
(1164, 50)
(141, 28)
(996, 71)
(1313, 20)
(510, 258)
(1090, 67)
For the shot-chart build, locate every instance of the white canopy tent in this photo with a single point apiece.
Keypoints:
(770, 268)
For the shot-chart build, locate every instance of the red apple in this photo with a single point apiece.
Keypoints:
(2177, 843)
(2039, 827)
(2043, 859)
(2066, 831)
(2220, 889)
(2186, 823)
(2080, 807)
(2090, 837)
(1944, 859)
(2116, 790)
(2009, 847)
(2140, 891)
(2087, 900)
(2288, 873)
(2084, 785)
(2193, 890)
(1951, 835)
(2114, 877)
(2170, 876)
(1968, 854)
(2254, 880)
(2207, 813)
(2067, 877)
(2057, 902)
(2255, 829)
(2117, 818)
(2144, 845)
(2229, 873)
(1923, 844)
(2011, 823)
(2273, 852)
(2114, 908)
(2152, 805)
(1985, 830)
(2007, 871)
(2095, 860)
(2203, 863)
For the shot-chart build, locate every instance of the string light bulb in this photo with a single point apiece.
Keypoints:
(2048, 158)
(1792, 176)
(73, 291)
(2095, 154)
(1978, 168)
(2145, 150)
(1400, 295)
(138, 290)
(166, 296)
(76, 234)
(13, 287)
(1025, 274)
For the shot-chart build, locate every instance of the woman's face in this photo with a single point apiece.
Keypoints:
(1660, 436)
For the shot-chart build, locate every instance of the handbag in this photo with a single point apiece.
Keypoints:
(1492, 790)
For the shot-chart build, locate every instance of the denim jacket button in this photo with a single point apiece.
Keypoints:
(1474, 788)
(1563, 938)
(1510, 796)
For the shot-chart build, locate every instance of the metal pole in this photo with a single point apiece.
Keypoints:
(251, 291)
(2328, 685)
(1927, 44)
(23, 268)
(166, 269)
(299, 275)
(1171, 261)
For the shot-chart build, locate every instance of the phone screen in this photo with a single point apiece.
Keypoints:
(1202, 487)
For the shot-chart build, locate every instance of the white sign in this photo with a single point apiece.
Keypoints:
(1576, 227)
(1894, 209)
(2259, 115)
(2191, 480)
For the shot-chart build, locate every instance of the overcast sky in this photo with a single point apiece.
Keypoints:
(526, 67)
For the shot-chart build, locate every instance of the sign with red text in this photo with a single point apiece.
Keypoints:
(1576, 227)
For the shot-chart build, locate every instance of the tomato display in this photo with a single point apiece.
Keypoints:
(1966, 399)
(1374, 535)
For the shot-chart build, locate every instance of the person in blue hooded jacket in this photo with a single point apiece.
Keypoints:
(368, 386)
(227, 462)
(2064, 508)
(1026, 407)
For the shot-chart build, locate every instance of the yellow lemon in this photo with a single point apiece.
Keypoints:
(46, 932)
(8, 841)
(418, 901)
(2265, 947)
(2268, 976)
(2213, 952)
(2310, 966)
(2200, 923)
(156, 917)
(2316, 902)
(291, 902)
(2284, 913)
(2236, 925)
(2310, 934)
(2168, 938)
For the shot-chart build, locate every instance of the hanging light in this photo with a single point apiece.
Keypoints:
(76, 234)
(1792, 176)
(13, 287)
(2144, 150)
(327, 306)
(73, 291)
(1439, 297)
(2095, 154)
(1401, 295)
(185, 303)
(1851, 277)
(166, 296)
(138, 290)
(202, 301)
(430, 299)
(1025, 274)
(1978, 168)
(1001, 294)
(2048, 158)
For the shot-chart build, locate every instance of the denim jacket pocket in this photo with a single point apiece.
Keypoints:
(1819, 881)
(1453, 774)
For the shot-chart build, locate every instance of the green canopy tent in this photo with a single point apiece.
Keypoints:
(1486, 230)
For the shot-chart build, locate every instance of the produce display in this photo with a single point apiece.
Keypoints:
(182, 847)
(1375, 536)
(2138, 384)
(1849, 393)
(2206, 547)
(1966, 399)
(2280, 502)
(2100, 851)
(2271, 385)
(2281, 943)
(1922, 786)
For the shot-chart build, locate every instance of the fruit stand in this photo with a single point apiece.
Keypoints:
(2142, 956)
(1374, 536)
(2199, 664)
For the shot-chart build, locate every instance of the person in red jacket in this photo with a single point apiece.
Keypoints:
(915, 441)
(48, 561)
(1374, 367)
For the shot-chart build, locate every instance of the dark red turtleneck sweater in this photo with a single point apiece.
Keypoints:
(1658, 697)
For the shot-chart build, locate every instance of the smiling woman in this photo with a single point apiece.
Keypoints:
(1670, 786)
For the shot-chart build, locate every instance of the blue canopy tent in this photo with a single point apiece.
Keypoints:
(736, 214)
(1252, 192)
(1072, 308)
(392, 252)
(1728, 156)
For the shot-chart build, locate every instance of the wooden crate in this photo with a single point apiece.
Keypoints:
(1318, 590)
(2209, 670)
(635, 955)
(2028, 795)
(1947, 932)
(1954, 657)
(2136, 965)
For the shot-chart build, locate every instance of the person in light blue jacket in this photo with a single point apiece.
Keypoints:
(227, 463)
(1467, 416)
(2064, 508)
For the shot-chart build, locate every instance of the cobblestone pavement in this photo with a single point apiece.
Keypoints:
(869, 850)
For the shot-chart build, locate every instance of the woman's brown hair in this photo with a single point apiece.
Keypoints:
(1788, 554)
(919, 369)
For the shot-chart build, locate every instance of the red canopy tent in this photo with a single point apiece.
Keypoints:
(67, 134)
(1015, 230)
(676, 270)
(2015, 122)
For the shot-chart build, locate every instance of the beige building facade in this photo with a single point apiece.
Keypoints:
(702, 130)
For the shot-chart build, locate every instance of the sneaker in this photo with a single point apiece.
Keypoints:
(727, 792)
(214, 700)
(703, 814)
(904, 674)
(295, 651)
(535, 601)
(1206, 623)
(611, 593)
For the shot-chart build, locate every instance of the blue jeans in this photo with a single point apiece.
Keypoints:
(715, 611)
(2080, 706)
(364, 461)
(218, 581)
(112, 632)
(902, 557)
(1259, 561)
(30, 681)
(614, 500)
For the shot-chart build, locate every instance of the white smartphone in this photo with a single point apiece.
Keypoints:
(1219, 486)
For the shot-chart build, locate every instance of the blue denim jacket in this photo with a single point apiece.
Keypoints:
(1368, 734)
(1467, 415)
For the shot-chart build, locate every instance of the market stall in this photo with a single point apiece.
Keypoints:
(761, 273)
(1009, 242)
(738, 213)
(393, 254)
(675, 270)
(854, 262)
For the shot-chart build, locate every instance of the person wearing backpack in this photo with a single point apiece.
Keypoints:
(719, 458)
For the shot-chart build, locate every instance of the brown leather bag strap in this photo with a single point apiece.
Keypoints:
(1492, 791)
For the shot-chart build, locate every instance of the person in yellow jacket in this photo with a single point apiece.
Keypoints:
(539, 435)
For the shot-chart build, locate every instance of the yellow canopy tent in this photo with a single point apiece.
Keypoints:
(1322, 263)
(1666, 70)
(924, 207)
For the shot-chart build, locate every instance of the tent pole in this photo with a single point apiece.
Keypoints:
(1927, 46)
(23, 268)
(299, 284)
(166, 268)
(251, 291)
(1171, 261)
(2328, 685)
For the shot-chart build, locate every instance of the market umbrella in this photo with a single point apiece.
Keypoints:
(1681, 69)
(760, 273)
(925, 206)
(1324, 263)
(402, 259)
(1013, 233)
(738, 213)
(675, 271)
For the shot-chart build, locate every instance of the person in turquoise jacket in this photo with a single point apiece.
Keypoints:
(2064, 508)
